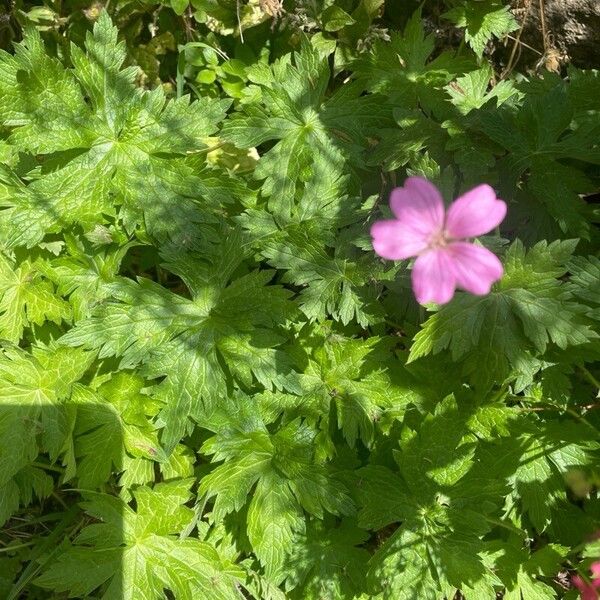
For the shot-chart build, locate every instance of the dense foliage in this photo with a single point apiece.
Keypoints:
(210, 385)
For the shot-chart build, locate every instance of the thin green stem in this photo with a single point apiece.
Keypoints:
(582, 419)
(25, 545)
(60, 500)
(499, 394)
(550, 406)
(47, 467)
(42, 553)
(589, 377)
(209, 149)
(393, 324)
(507, 526)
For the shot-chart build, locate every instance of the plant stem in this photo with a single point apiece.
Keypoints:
(589, 377)
(47, 467)
(508, 526)
(25, 545)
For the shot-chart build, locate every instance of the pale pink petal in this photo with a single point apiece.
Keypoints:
(586, 590)
(433, 277)
(419, 206)
(394, 241)
(475, 213)
(595, 569)
(475, 268)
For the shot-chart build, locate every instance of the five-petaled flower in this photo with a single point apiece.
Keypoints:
(589, 590)
(422, 228)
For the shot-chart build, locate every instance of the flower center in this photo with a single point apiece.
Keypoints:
(438, 240)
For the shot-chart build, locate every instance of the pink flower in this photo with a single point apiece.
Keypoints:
(589, 590)
(423, 229)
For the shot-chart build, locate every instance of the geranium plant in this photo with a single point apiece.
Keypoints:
(267, 329)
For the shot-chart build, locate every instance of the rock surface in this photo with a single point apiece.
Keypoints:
(573, 27)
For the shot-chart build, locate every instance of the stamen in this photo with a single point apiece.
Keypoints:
(438, 240)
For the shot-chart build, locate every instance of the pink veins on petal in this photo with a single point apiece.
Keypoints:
(422, 228)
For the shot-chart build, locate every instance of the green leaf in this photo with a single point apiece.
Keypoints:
(35, 417)
(278, 475)
(332, 285)
(228, 329)
(544, 460)
(437, 547)
(482, 20)
(99, 439)
(585, 282)
(522, 572)
(138, 554)
(328, 560)
(530, 309)
(470, 92)
(98, 150)
(27, 298)
(403, 68)
(274, 518)
(334, 18)
(179, 6)
(539, 138)
(81, 276)
(294, 112)
(359, 380)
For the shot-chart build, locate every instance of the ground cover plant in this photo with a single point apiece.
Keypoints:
(215, 378)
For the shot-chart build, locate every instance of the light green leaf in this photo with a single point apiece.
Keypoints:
(185, 338)
(482, 20)
(334, 18)
(278, 475)
(108, 143)
(471, 91)
(274, 518)
(139, 555)
(27, 298)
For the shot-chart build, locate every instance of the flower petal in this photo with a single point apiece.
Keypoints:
(588, 592)
(475, 213)
(433, 277)
(475, 268)
(419, 206)
(394, 241)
